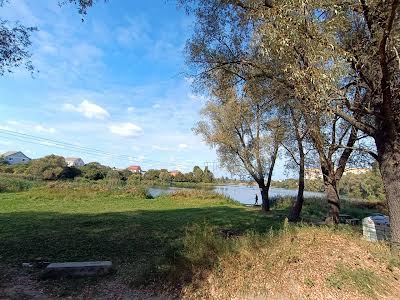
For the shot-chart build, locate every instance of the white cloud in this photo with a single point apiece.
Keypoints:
(40, 128)
(13, 122)
(131, 109)
(88, 109)
(183, 146)
(134, 32)
(126, 129)
(160, 148)
(155, 106)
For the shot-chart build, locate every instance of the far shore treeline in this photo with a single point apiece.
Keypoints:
(53, 167)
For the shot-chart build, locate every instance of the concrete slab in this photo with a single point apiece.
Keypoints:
(78, 269)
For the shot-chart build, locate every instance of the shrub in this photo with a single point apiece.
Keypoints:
(15, 184)
(94, 171)
(134, 179)
(49, 167)
(113, 179)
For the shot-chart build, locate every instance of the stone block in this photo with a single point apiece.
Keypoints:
(78, 269)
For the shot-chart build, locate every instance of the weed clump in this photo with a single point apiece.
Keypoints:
(365, 281)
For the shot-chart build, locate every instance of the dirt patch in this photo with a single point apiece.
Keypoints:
(20, 284)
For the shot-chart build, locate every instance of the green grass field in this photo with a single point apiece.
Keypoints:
(144, 238)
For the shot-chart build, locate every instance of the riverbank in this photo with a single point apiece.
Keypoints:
(179, 244)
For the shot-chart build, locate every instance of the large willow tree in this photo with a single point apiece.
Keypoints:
(245, 133)
(333, 57)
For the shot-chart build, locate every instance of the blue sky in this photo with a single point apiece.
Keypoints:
(114, 82)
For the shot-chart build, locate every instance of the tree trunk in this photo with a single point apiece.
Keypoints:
(298, 205)
(264, 197)
(332, 195)
(389, 165)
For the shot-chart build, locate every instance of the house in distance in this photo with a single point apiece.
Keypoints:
(74, 162)
(174, 173)
(15, 157)
(135, 169)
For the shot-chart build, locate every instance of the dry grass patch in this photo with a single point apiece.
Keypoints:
(302, 263)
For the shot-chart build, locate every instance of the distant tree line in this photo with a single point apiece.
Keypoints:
(366, 186)
(196, 176)
(53, 167)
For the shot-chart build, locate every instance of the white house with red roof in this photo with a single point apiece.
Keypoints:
(135, 169)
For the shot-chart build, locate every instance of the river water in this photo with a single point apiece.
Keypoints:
(242, 193)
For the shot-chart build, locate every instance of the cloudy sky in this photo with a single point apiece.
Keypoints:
(116, 82)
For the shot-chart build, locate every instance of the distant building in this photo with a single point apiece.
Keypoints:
(312, 173)
(15, 157)
(135, 169)
(356, 171)
(315, 173)
(174, 173)
(74, 162)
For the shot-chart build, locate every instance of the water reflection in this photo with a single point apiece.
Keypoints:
(242, 193)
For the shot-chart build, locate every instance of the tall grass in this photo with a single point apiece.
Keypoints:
(11, 183)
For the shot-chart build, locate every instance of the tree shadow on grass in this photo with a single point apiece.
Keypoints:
(144, 245)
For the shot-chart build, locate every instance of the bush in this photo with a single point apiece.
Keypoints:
(15, 184)
(70, 173)
(94, 171)
(48, 168)
(134, 179)
(113, 179)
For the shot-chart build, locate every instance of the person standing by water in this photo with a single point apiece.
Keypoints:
(256, 203)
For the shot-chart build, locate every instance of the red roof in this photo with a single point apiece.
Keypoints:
(134, 168)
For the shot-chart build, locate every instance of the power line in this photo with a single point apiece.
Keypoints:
(69, 146)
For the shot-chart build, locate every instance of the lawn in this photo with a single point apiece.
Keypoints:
(138, 234)
(144, 238)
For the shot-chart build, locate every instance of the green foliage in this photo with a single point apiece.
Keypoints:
(134, 179)
(3, 161)
(10, 183)
(180, 177)
(365, 281)
(208, 176)
(70, 173)
(164, 176)
(113, 179)
(309, 282)
(197, 174)
(202, 246)
(94, 171)
(363, 186)
(50, 167)
(124, 174)
(152, 174)
(366, 186)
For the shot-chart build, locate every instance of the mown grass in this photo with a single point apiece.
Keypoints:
(167, 240)
(143, 237)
